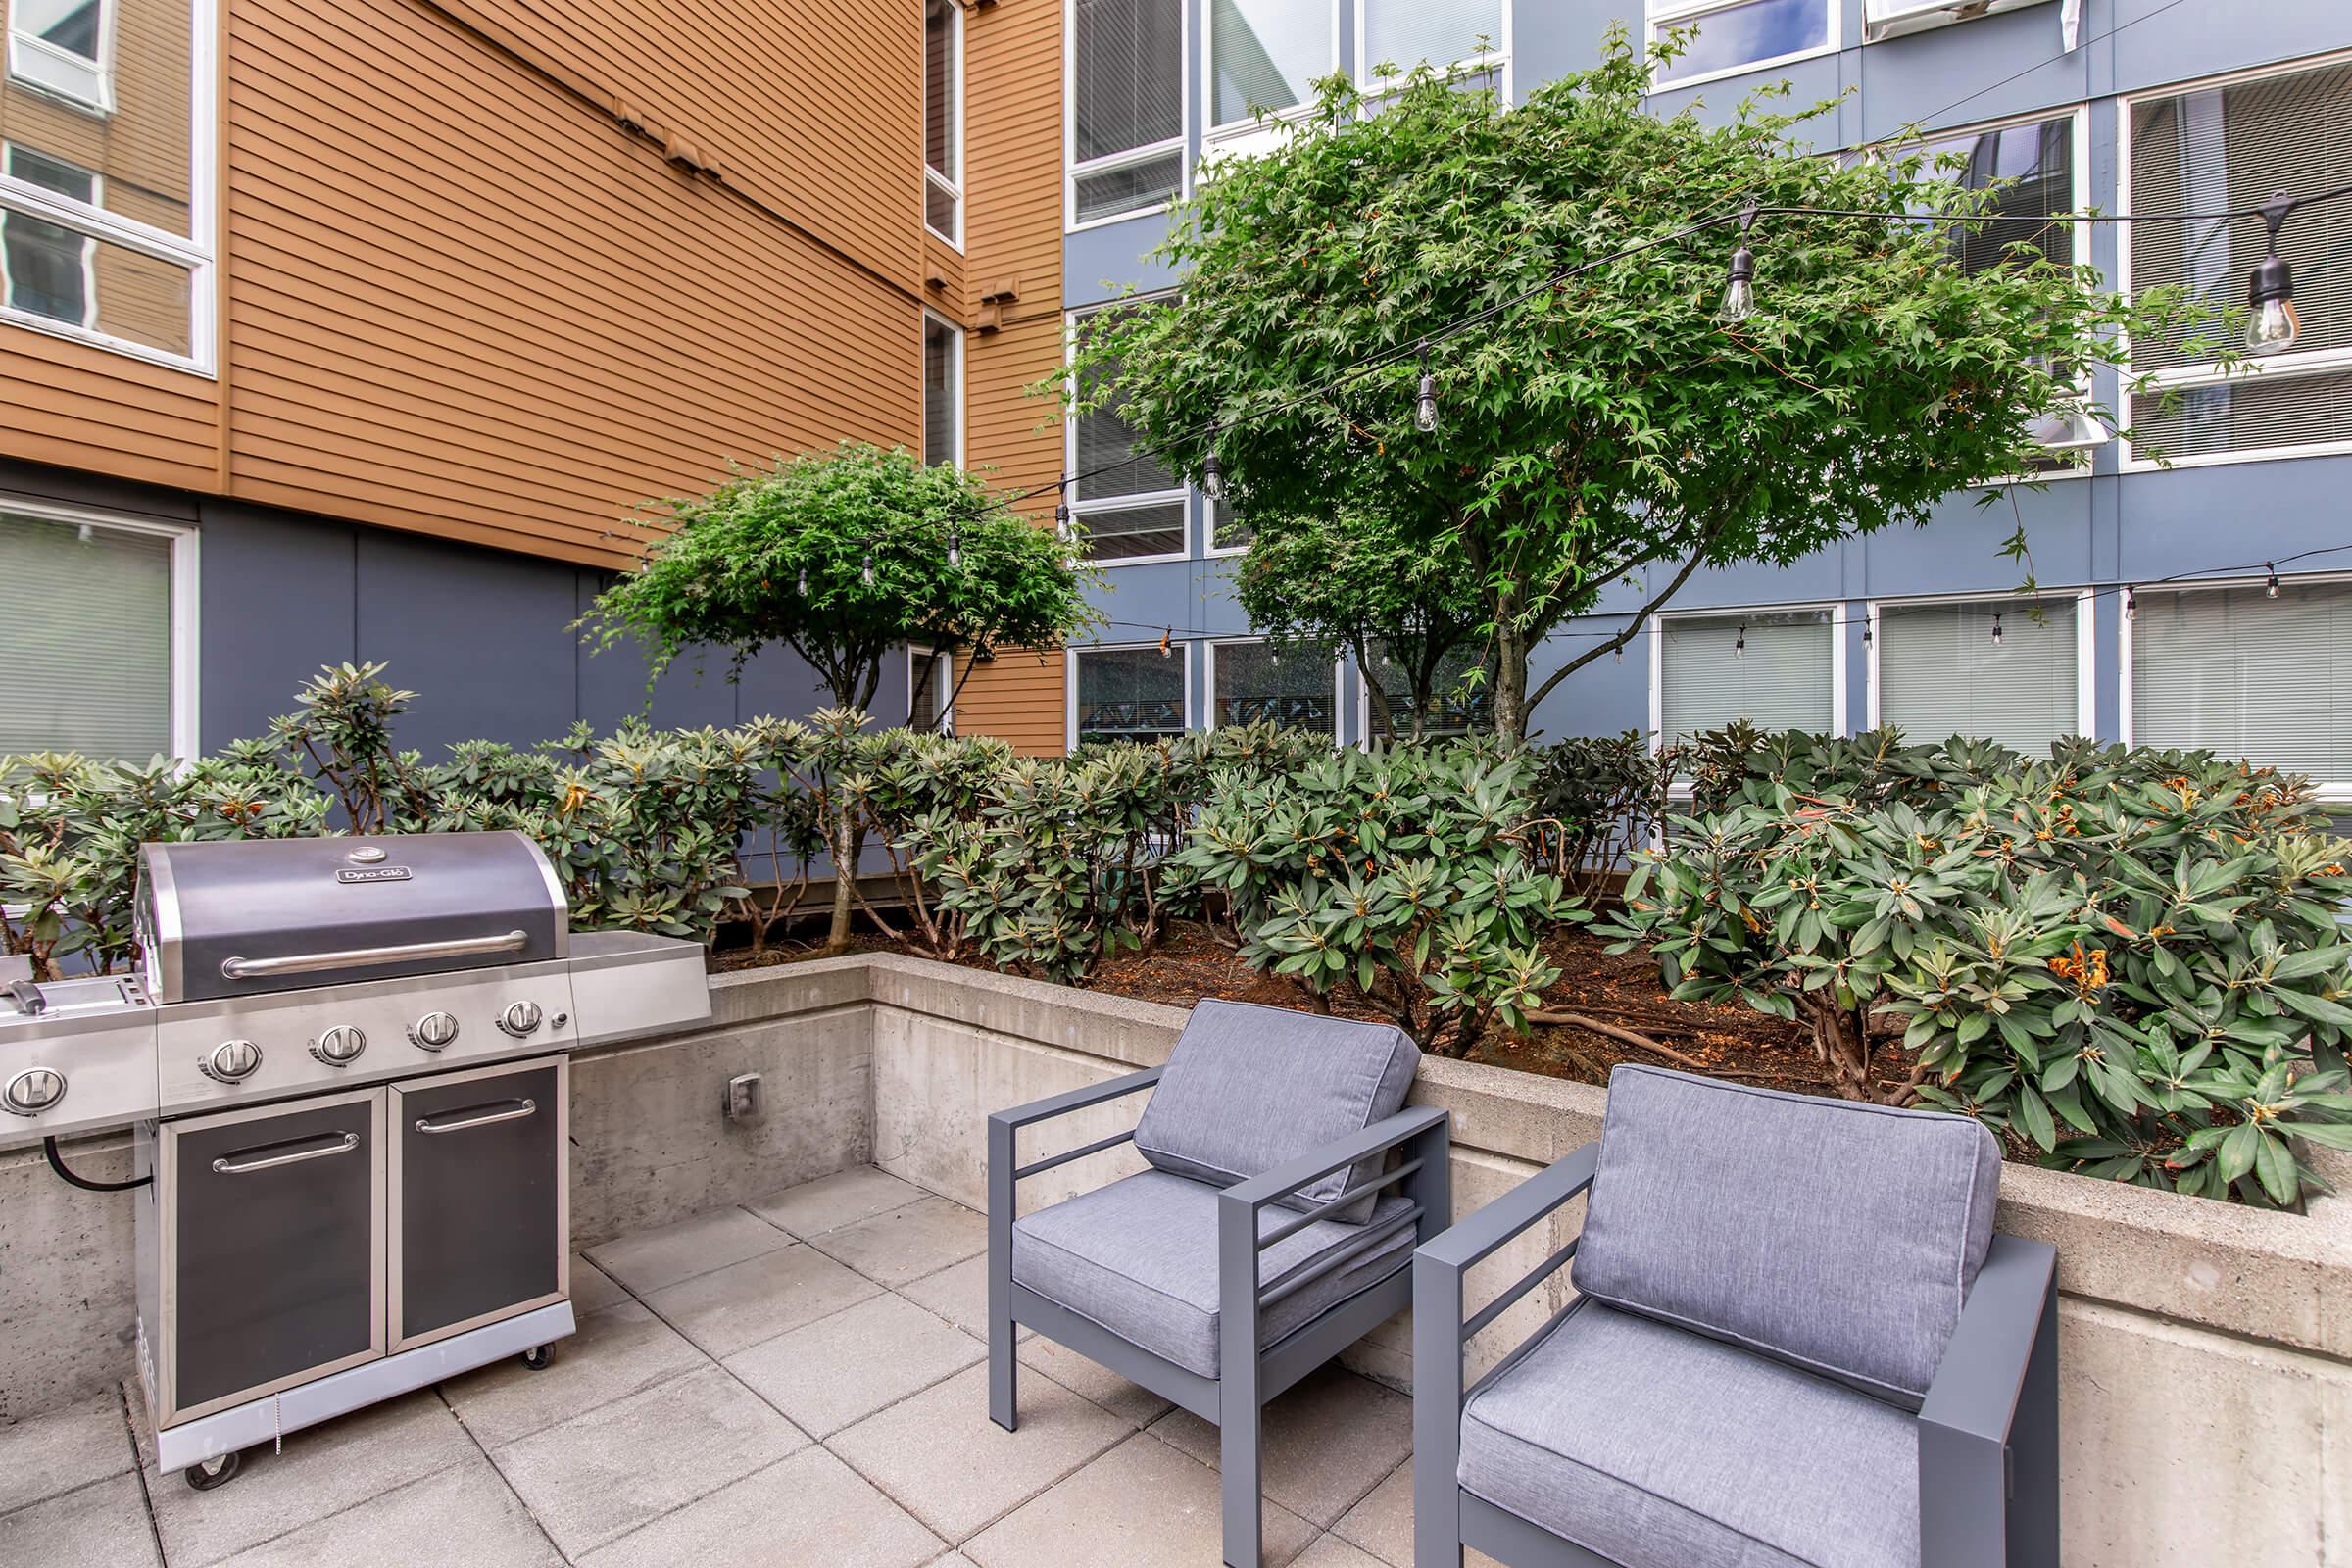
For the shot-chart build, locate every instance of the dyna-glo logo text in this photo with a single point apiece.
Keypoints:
(375, 873)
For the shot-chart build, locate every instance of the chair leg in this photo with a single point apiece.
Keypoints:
(2033, 1452)
(1238, 1415)
(1004, 1366)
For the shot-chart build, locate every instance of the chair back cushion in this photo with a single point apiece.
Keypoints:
(1837, 1237)
(1249, 1088)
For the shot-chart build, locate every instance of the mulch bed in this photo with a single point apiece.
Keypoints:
(1619, 990)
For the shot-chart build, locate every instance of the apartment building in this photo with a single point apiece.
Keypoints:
(340, 329)
(2208, 603)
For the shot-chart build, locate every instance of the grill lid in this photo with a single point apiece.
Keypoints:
(249, 916)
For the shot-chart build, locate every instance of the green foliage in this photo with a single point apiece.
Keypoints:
(1605, 795)
(1608, 428)
(2131, 961)
(1402, 878)
(725, 570)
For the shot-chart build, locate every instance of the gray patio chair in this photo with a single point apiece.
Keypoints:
(1271, 1231)
(1798, 1341)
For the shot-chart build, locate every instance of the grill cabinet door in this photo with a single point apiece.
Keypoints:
(481, 1219)
(276, 1263)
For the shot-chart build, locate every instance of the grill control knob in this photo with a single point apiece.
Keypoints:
(434, 1031)
(33, 1091)
(231, 1061)
(521, 1019)
(340, 1046)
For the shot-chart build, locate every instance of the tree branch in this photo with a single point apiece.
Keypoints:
(1632, 626)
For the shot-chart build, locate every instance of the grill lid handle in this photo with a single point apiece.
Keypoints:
(357, 957)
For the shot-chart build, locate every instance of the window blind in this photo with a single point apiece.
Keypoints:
(1783, 682)
(1942, 675)
(1439, 33)
(86, 640)
(2247, 676)
(1128, 74)
(1294, 688)
(1267, 54)
(1129, 693)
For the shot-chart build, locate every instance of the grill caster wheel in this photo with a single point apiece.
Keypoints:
(213, 1473)
(539, 1357)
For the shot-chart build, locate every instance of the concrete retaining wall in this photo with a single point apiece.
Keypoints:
(2206, 1350)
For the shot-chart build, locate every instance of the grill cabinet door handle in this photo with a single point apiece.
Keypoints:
(356, 958)
(490, 1115)
(271, 1156)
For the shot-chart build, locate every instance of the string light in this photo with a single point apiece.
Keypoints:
(1740, 286)
(1996, 628)
(954, 551)
(2272, 325)
(866, 570)
(2270, 584)
(804, 582)
(1739, 643)
(1061, 507)
(1425, 406)
(1212, 472)
(1167, 637)
(1274, 654)
(2131, 604)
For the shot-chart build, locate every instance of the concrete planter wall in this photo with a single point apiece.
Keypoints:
(2207, 1351)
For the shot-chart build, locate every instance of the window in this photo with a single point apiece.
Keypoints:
(1940, 673)
(1126, 694)
(1457, 706)
(1741, 35)
(100, 622)
(930, 690)
(63, 48)
(1266, 55)
(1444, 34)
(1126, 150)
(2247, 676)
(1129, 507)
(942, 118)
(1253, 681)
(1774, 669)
(2227, 146)
(1228, 533)
(942, 392)
(106, 186)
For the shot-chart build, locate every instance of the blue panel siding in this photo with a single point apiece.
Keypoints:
(2102, 530)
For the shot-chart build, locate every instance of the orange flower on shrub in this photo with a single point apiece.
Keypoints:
(2086, 969)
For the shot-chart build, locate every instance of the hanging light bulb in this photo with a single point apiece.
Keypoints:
(1739, 643)
(2131, 604)
(1621, 653)
(2269, 585)
(1740, 285)
(1383, 658)
(1167, 636)
(1062, 506)
(955, 550)
(866, 570)
(1273, 654)
(1996, 628)
(2272, 323)
(1425, 406)
(804, 582)
(1212, 472)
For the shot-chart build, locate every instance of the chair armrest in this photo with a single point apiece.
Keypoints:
(1062, 1104)
(1284, 1180)
(1486, 1230)
(1977, 1385)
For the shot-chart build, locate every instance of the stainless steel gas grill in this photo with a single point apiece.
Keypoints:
(345, 1062)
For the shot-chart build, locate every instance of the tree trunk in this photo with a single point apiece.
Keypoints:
(1511, 672)
(844, 850)
(1843, 1044)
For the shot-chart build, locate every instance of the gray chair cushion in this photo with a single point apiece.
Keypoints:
(1140, 1257)
(1840, 1237)
(1249, 1088)
(1660, 1449)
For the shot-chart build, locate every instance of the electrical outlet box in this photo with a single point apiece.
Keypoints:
(744, 1099)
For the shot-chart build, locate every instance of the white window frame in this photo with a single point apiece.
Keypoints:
(22, 45)
(89, 246)
(1073, 171)
(2295, 364)
(1364, 679)
(2335, 791)
(1180, 652)
(2086, 692)
(1657, 12)
(1209, 681)
(956, 378)
(1497, 59)
(1229, 136)
(950, 182)
(186, 641)
(1839, 636)
(1081, 510)
(1210, 549)
(943, 670)
(192, 251)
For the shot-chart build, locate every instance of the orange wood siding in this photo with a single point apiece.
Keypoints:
(1013, 226)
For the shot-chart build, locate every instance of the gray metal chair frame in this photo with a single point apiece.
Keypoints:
(1988, 1433)
(1248, 1374)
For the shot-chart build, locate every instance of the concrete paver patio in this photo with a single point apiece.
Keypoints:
(797, 1380)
